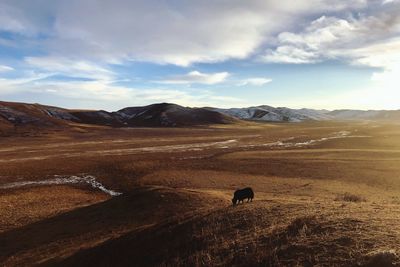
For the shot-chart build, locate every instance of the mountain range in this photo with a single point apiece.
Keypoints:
(282, 114)
(172, 115)
(155, 115)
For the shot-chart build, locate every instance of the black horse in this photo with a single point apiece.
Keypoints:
(242, 194)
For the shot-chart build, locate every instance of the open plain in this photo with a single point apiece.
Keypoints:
(326, 193)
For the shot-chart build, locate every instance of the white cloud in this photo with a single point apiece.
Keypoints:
(389, 1)
(159, 31)
(386, 56)
(70, 67)
(289, 54)
(318, 41)
(197, 77)
(27, 17)
(154, 31)
(102, 95)
(254, 81)
(371, 41)
(380, 55)
(4, 68)
(10, 18)
(17, 85)
(366, 41)
(185, 33)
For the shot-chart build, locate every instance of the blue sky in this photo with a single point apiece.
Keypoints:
(224, 53)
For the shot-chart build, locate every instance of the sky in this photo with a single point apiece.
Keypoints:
(108, 54)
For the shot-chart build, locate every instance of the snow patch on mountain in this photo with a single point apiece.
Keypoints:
(280, 114)
(16, 116)
(59, 114)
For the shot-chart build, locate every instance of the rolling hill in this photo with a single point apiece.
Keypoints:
(166, 114)
(156, 115)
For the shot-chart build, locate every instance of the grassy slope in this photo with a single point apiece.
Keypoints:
(64, 234)
(273, 232)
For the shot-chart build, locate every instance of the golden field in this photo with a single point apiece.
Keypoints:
(326, 194)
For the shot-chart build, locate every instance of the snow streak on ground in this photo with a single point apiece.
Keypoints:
(337, 135)
(62, 180)
(227, 144)
(136, 150)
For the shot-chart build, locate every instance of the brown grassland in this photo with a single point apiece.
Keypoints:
(326, 194)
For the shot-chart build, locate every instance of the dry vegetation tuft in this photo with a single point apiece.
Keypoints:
(383, 258)
(301, 226)
(349, 197)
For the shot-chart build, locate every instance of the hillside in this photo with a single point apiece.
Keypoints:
(23, 115)
(267, 232)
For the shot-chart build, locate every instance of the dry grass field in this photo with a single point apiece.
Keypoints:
(326, 194)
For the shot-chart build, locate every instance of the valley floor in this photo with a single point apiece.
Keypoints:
(326, 193)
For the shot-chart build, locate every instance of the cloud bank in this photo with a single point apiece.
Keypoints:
(89, 42)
